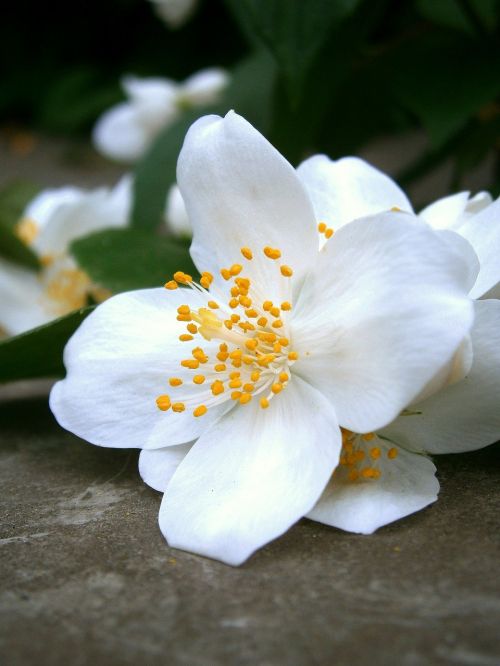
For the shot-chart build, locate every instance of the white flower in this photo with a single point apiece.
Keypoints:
(276, 348)
(50, 223)
(176, 217)
(126, 131)
(174, 12)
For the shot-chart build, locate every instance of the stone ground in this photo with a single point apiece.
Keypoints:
(86, 577)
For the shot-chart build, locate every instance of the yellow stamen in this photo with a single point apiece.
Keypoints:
(172, 284)
(245, 398)
(217, 387)
(286, 271)
(392, 453)
(285, 306)
(199, 411)
(175, 381)
(178, 407)
(163, 402)
(198, 379)
(247, 253)
(264, 403)
(272, 253)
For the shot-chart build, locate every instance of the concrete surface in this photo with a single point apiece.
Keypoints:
(86, 577)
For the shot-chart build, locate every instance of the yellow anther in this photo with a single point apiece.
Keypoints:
(163, 402)
(247, 253)
(367, 472)
(321, 227)
(262, 321)
(171, 284)
(359, 456)
(286, 306)
(235, 318)
(286, 271)
(328, 233)
(368, 436)
(284, 342)
(353, 475)
(190, 363)
(243, 283)
(185, 337)
(184, 317)
(275, 311)
(207, 275)
(220, 367)
(396, 209)
(235, 291)
(252, 343)
(277, 323)
(183, 278)
(233, 303)
(184, 309)
(235, 395)
(234, 375)
(236, 353)
(250, 312)
(245, 398)
(205, 282)
(248, 387)
(222, 356)
(213, 305)
(277, 388)
(277, 347)
(235, 383)
(198, 379)
(272, 253)
(265, 360)
(217, 387)
(248, 360)
(245, 301)
(246, 326)
(199, 411)
(226, 274)
(283, 377)
(255, 376)
(175, 381)
(267, 305)
(236, 269)
(293, 356)
(264, 403)
(375, 453)
(192, 328)
(228, 324)
(178, 407)
(392, 453)
(223, 347)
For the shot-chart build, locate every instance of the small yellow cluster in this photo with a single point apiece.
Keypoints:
(360, 458)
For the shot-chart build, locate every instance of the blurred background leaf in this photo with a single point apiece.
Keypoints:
(39, 352)
(125, 259)
(13, 200)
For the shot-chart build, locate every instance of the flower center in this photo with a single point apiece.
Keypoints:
(360, 460)
(68, 288)
(254, 357)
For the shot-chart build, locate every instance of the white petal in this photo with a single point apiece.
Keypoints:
(43, 206)
(407, 484)
(483, 233)
(205, 86)
(149, 90)
(446, 213)
(120, 135)
(252, 475)
(21, 299)
(349, 188)
(94, 210)
(174, 12)
(465, 416)
(239, 191)
(176, 214)
(157, 466)
(118, 362)
(384, 310)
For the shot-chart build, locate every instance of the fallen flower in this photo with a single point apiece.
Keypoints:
(126, 131)
(272, 352)
(50, 223)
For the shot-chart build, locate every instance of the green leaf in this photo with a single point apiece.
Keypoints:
(126, 259)
(249, 93)
(293, 30)
(38, 353)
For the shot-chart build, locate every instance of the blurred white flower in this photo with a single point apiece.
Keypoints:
(176, 217)
(50, 223)
(296, 343)
(125, 131)
(174, 12)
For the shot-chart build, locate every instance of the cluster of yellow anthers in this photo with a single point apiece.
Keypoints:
(325, 230)
(359, 457)
(254, 356)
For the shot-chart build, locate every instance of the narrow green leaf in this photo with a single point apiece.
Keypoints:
(13, 249)
(38, 353)
(126, 259)
(13, 200)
